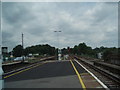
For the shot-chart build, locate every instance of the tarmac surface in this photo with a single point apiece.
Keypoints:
(51, 74)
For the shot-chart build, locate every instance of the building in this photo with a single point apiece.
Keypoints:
(5, 53)
(114, 59)
(4, 50)
(99, 55)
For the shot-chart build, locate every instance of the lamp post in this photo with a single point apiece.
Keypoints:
(22, 49)
(59, 51)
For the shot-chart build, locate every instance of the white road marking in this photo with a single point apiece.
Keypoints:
(93, 76)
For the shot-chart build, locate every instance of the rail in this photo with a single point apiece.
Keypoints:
(104, 72)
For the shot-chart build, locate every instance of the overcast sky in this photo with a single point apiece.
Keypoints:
(96, 24)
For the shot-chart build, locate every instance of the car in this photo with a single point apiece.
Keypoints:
(18, 58)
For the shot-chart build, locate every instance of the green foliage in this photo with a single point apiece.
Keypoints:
(81, 49)
(108, 52)
(40, 49)
(37, 49)
(17, 51)
(84, 50)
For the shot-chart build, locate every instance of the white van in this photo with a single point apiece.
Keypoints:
(19, 58)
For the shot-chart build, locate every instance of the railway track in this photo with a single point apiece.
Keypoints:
(108, 79)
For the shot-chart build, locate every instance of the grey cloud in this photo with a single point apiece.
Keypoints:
(107, 12)
(6, 35)
(38, 21)
(12, 14)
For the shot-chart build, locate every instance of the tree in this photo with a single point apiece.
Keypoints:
(40, 49)
(109, 52)
(82, 48)
(64, 51)
(17, 51)
(75, 49)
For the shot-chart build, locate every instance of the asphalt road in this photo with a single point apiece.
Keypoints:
(56, 74)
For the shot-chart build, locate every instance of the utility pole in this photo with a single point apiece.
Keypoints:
(22, 48)
(22, 39)
(59, 51)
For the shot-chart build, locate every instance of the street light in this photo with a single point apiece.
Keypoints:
(59, 51)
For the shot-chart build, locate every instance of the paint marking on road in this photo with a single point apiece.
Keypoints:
(18, 69)
(80, 79)
(23, 70)
(57, 61)
(93, 76)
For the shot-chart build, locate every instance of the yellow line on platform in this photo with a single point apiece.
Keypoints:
(22, 70)
(80, 79)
